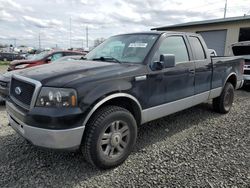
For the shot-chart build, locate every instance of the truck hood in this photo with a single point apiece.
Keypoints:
(59, 75)
(241, 49)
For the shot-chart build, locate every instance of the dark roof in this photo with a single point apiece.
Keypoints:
(143, 32)
(153, 32)
(205, 22)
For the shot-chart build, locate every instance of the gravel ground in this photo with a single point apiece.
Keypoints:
(195, 147)
(3, 68)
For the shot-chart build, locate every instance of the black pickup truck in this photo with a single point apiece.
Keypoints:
(97, 104)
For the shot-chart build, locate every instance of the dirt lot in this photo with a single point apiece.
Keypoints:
(195, 147)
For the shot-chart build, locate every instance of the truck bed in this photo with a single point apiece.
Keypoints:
(222, 66)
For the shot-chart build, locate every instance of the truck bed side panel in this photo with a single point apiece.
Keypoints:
(224, 67)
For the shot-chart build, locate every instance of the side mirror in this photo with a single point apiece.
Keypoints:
(48, 60)
(166, 61)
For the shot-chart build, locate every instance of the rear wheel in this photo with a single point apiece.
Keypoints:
(224, 102)
(110, 136)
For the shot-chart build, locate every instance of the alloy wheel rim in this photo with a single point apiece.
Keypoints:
(114, 139)
(228, 99)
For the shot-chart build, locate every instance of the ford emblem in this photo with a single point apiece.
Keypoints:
(18, 90)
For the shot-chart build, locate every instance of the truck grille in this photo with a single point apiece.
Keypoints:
(246, 71)
(22, 91)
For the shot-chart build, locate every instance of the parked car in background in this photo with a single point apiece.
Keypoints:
(40, 59)
(5, 78)
(243, 49)
(70, 58)
(128, 80)
(10, 56)
(4, 85)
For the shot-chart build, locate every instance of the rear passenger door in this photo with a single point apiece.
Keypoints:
(203, 65)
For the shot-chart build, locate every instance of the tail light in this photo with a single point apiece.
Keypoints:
(242, 64)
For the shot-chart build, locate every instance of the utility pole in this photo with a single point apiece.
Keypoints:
(14, 42)
(39, 41)
(225, 9)
(87, 36)
(70, 32)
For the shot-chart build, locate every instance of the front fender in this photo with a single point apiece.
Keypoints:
(104, 89)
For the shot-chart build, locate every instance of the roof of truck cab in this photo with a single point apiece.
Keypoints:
(158, 33)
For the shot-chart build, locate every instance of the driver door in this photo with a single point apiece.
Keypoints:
(175, 83)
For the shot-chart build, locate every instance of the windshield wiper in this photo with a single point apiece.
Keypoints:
(106, 58)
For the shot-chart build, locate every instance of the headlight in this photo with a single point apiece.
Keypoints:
(21, 66)
(57, 97)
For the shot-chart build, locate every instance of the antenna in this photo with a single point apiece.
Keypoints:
(70, 32)
(225, 9)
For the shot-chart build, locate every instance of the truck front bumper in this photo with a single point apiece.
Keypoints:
(62, 139)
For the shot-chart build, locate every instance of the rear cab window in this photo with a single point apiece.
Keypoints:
(197, 48)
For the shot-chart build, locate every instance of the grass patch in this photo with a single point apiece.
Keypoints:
(4, 63)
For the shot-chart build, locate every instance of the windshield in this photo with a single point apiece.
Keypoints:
(131, 48)
(39, 56)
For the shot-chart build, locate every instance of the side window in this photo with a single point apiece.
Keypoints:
(56, 56)
(197, 48)
(173, 45)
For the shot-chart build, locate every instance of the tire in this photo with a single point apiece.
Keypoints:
(2, 101)
(224, 102)
(109, 137)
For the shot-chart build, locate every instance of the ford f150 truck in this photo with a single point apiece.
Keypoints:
(96, 105)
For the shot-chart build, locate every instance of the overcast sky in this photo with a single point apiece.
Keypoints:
(25, 19)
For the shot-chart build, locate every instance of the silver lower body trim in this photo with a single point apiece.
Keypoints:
(215, 93)
(172, 107)
(53, 139)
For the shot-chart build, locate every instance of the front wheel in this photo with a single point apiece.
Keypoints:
(224, 102)
(2, 101)
(109, 138)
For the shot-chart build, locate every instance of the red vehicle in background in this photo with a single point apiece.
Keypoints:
(41, 58)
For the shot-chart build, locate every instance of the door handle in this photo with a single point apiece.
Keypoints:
(191, 71)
